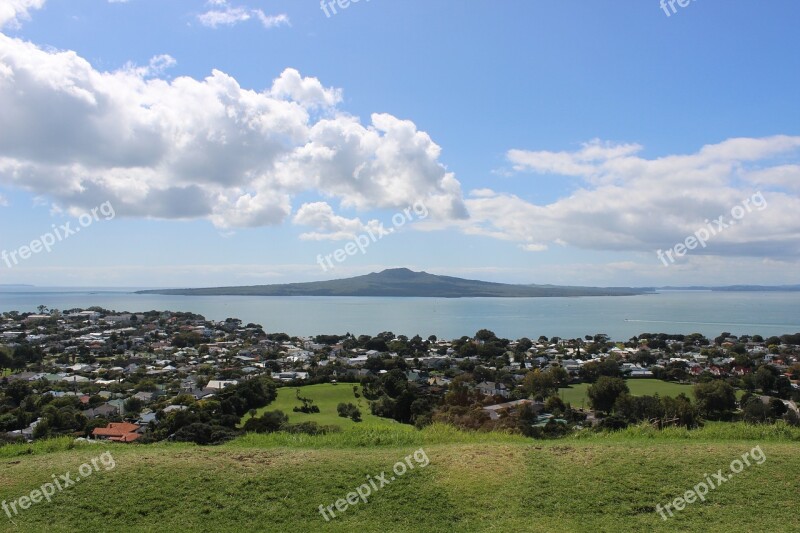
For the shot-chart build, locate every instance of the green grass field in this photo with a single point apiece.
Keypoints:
(576, 394)
(474, 482)
(326, 397)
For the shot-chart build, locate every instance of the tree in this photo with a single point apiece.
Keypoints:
(554, 405)
(133, 405)
(604, 393)
(777, 408)
(377, 344)
(765, 378)
(308, 405)
(524, 345)
(202, 434)
(591, 371)
(17, 390)
(560, 375)
(540, 384)
(348, 410)
(716, 399)
(5, 360)
(756, 411)
(783, 387)
(485, 335)
(269, 422)
(25, 354)
(749, 382)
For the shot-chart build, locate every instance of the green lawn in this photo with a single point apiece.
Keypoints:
(474, 482)
(326, 396)
(576, 394)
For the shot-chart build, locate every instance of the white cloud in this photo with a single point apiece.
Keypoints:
(186, 148)
(3, 201)
(13, 12)
(224, 14)
(787, 176)
(230, 16)
(272, 21)
(581, 163)
(387, 165)
(330, 226)
(155, 67)
(308, 92)
(628, 203)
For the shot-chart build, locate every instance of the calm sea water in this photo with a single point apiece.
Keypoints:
(709, 313)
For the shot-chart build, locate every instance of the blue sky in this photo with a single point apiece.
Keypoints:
(241, 142)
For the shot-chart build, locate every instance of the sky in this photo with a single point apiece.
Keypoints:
(152, 143)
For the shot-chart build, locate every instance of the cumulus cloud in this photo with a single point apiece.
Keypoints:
(388, 164)
(329, 225)
(202, 148)
(13, 12)
(222, 13)
(625, 202)
(308, 92)
(155, 67)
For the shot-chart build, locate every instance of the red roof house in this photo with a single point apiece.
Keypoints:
(118, 432)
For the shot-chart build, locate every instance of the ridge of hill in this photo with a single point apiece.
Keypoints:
(402, 282)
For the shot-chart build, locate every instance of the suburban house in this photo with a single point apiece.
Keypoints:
(118, 432)
(490, 388)
(102, 411)
(496, 411)
(217, 384)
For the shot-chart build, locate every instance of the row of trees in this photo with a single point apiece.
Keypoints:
(714, 400)
(215, 420)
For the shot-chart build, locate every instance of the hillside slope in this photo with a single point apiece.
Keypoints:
(405, 283)
(473, 482)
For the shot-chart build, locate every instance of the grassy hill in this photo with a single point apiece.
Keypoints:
(326, 397)
(576, 394)
(474, 482)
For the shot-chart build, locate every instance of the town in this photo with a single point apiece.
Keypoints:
(145, 377)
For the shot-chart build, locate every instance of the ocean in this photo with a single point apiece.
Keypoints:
(709, 313)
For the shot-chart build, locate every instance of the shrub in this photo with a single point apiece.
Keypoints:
(204, 434)
(348, 410)
(308, 405)
(613, 423)
(310, 428)
(266, 423)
